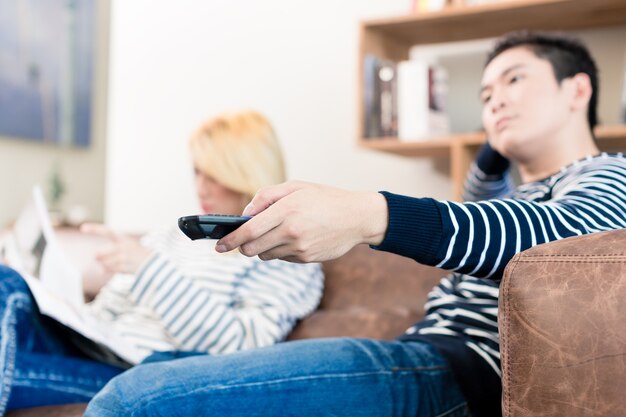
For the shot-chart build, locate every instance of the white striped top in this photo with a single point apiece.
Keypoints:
(187, 297)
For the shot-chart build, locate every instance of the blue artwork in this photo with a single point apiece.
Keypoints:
(46, 70)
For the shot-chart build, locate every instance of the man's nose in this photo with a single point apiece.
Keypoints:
(497, 101)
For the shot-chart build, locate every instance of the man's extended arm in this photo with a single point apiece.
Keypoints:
(304, 222)
(479, 238)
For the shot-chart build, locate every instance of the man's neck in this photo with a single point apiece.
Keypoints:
(567, 146)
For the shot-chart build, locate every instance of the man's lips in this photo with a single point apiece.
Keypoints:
(502, 122)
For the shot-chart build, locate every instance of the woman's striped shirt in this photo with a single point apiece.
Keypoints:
(187, 297)
(476, 239)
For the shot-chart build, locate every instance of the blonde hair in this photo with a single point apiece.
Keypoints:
(240, 151)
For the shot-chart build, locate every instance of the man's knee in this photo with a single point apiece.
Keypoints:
(112, 400)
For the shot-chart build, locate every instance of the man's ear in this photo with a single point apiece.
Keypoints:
(580, 91)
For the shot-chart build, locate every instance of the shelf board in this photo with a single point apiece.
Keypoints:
(612, 137)
(490, 20)
(611, 132)
(433, 147)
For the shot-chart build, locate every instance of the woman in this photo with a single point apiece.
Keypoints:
(169, 296)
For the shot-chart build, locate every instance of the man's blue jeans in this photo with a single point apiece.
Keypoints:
(323, 377)
(38, 366)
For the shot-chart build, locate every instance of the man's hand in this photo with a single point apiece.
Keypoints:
(123, 254)
(303, 222)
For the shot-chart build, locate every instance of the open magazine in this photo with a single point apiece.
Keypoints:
(32, 249)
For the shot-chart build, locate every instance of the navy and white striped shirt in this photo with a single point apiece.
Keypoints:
(476, 240)
(187, 297)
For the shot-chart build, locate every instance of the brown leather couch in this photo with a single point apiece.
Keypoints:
(562, 328)
(562, 322)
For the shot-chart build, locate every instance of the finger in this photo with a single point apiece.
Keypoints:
(283, 252)
(98, 229)
(270, 195)
(251, 230)
(105, 252)
(113, 265)
(291, 259)
(109, 259)
(267, 243)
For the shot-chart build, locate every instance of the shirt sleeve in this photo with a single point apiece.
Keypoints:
(266, 302)
(488, 177)
(479, 238)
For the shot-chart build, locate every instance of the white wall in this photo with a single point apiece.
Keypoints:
(173, 63)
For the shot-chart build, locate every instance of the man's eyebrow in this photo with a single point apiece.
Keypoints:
(502, 74)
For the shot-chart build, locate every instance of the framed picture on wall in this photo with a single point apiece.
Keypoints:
(46, 70)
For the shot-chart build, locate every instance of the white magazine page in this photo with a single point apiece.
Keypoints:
(33, 250)
(23, 247)
(56, 273)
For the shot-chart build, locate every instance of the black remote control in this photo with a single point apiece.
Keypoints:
(210, 226)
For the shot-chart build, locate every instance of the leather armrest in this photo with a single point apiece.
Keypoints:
(562, 322)
(66, 410)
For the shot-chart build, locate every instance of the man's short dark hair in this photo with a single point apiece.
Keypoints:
(567, 55)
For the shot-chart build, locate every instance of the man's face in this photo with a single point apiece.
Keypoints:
(523, 104)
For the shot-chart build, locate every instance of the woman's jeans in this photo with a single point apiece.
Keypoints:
(38, 366)
(323, 377)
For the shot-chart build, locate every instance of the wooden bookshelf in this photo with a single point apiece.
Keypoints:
(392, 38)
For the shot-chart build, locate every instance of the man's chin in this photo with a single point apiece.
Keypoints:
(499, 146)
(507, 145)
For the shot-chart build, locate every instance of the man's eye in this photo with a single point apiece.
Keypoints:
(485, 99)
(515, 79)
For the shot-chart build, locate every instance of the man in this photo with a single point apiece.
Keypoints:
(539, 93)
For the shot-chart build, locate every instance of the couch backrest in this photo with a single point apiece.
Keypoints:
(370, 293)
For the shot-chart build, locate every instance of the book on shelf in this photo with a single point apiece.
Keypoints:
(438, 120)
(380, 102)
(405, 100)
(371, 110)
(387, 76)
(422, 93)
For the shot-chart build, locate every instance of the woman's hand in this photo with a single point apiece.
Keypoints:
(304, 222)
(123, 253)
